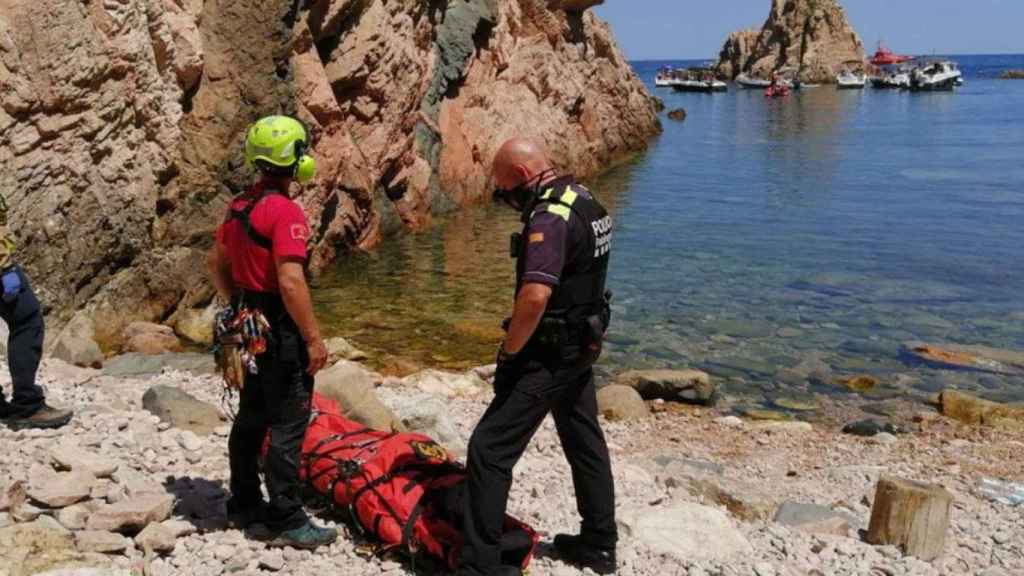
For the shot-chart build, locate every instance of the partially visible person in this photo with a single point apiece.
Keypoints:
(258, 261)
(20, 309)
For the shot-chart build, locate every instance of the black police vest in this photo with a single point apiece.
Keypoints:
(581, 289)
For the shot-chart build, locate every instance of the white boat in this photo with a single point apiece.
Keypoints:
(847, 80)
(751, 83)
(942, 75)
(709, 85)
(665, 78)
(895, 80)
(698, 80)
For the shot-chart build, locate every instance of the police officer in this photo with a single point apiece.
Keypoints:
(545, 363)
(259, 262)
(20, 309)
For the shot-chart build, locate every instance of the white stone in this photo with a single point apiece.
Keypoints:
(73, 457)
(729, 422)
(687, 531)
(63, 489)
(272, 560)
(189, 440)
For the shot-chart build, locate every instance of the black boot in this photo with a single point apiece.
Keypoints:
(503, 570)
(575, 551)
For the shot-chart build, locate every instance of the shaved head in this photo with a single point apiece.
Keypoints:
(519, 160)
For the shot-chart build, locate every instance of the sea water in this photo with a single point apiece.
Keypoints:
(781, 245)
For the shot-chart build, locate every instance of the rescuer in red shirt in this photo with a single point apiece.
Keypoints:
(259, 262)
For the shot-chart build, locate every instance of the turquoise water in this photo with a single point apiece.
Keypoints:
(780, 245)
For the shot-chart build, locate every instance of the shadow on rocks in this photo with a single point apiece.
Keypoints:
(199, 501)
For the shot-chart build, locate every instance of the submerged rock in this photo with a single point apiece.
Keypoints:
(859, 383)
(869, 427)
(972, 410)
(977, 358)
(679, 114)
(691, 386)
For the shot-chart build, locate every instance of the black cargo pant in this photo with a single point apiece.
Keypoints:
(276, 400)
(525, 392)
(24, 318)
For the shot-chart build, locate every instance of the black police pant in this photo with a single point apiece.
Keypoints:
(525, 392)
(275, 400)
(24, 318)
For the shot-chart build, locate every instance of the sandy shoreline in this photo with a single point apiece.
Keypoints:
(678, 457)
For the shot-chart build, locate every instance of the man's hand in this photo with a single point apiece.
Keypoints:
(317, 356)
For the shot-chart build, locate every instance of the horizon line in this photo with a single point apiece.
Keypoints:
(911, 54)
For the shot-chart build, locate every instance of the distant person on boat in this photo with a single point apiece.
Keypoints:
(545, 364)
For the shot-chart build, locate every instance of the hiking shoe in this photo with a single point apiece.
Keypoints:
(306, 537)
(242, 516)
(575, 551)
(46, 417)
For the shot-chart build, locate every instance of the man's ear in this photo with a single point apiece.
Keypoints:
(522, 173)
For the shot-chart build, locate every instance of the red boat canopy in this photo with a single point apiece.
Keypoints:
(886, 57)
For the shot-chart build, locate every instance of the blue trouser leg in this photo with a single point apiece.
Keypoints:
(24, 318)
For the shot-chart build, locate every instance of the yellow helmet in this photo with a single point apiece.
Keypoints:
(277, 145)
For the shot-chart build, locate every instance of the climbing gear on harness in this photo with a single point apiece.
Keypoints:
(240, 335)
(277, 145)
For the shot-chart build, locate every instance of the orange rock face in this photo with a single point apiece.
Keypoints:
(813, 38)
(121, 124)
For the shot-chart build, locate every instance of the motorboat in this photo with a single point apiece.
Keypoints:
(750, 83)
(698, 80)
(941, 75)
(847, 80)
(892, 80)
(665, 78)
(885, 57)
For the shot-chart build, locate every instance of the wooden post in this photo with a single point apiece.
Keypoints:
(911, 515)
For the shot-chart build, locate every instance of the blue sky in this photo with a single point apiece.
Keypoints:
(666, 29)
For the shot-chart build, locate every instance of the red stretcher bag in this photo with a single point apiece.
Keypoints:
(403, 489)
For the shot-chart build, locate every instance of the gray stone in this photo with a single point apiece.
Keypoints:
(181, 410)
(692, 386)
(353, 388)
(621, 403)
(429, 415)
(813, 519)
(272, 560)
(687, 531)
(74, 517)
(101, 541)
(77, 459)
(189, 441)
(62, 489)
(157, 537)
(133, 514)
(784, 427)
(136, 365)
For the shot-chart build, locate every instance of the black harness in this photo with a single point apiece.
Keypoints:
(245, 217)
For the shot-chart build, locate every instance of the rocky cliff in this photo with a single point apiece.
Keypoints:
(813, 37)
(121, 123)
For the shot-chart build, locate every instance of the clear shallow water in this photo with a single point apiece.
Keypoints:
(777, 244)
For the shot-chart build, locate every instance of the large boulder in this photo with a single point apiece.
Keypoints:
(150, 339)
(181, 410)
(76, 343)
(354, 389)
(618, 403)
(687, 531)
(196, 324)
(691, 386)
(976, 411)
